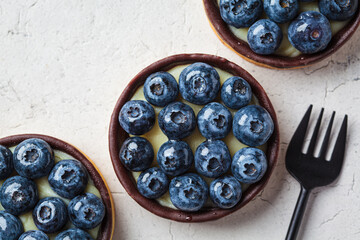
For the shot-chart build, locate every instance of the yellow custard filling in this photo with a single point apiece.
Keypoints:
(45, 190)
(156, 137)
(286, 49)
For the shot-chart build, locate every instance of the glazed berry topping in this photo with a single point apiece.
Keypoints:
(177, 120)
(236, 93)
(214, 121)
(18, 195)
(281, 11)
(160, 89)
(68, 178)
(212, 158)
(175, 157)
(137, 117)
(34, 235)
(199, 83)
(338, 10)
(188, 192)
(310, 32)
(50, 214)
(86, 211)
(10, 226)
(249, 165)
(6, 162)
(152, 183)
(73, 233)
(240, 13)
(252, 125)
(225, 191)
(136, 154)
(33, 158)
(264, 37)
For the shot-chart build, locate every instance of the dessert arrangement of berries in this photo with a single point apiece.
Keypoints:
(199, 147)
(46, 193)
(283, 33)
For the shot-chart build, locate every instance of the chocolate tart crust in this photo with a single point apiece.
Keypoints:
(275, 61)
(108, 223)
(117, 135)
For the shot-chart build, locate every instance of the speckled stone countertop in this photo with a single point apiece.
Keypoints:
(63, 64)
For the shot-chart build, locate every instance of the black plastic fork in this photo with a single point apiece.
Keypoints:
(311, 171)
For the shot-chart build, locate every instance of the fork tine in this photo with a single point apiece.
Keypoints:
(337, 156)
(315, 133)
(325, 143)
(298, 138)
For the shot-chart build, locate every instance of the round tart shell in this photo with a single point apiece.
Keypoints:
(117, 136)
(275, 61)
(106, 230)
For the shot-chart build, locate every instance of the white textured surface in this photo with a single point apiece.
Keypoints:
(63, 64)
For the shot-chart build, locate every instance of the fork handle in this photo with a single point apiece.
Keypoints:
(298, 214)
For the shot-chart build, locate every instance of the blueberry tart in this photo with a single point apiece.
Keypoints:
(190, 177)
(36, 203)
(265, 33)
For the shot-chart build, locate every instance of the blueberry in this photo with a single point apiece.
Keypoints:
(264, 37)
(249, 165)
(73, 234)
(310, 32)
(86, 211)
(10, 226)
(177, 120)
(136, 154)
(152, 183)
(137, 117)
(50, 214)
(33, 158)
(214, 121)
(236, 92)
(175, 157)
(339, 10)
(212, 158)
(199, 83)
(252, 125)
(34, 235)
(240, 13)
(68, 178)
(18, 195)
(161, 89)
(281, 11)
(225, 191)
(188, 192)
(6, 162)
